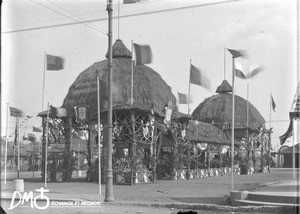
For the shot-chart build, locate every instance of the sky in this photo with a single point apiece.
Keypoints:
(179, 32)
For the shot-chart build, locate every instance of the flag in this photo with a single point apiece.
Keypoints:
(238, 53)
(287, 134)
(255, 71)
(143, 54)
(273, 103)
(197, 78)
(295, 108)
(182, 98)
(14, 112)
(239, 70)
(130, 1)
(35, 129)
(54, 62)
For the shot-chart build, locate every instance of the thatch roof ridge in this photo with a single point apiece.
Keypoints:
(225, 87)
(119, 50)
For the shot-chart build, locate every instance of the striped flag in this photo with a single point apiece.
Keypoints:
(143, 54)
(255, 71)
(273, 103)
(239, 70)
(197, 78)
(14, 112)
(238, 53)
(54, 63)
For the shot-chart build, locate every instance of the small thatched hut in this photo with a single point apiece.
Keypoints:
(217, 109)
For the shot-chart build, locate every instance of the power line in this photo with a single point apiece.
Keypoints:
(78, 22)
(124, 16)
(91, 24)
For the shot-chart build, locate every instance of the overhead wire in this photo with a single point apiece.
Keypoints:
(124, 16)
(78, 22)
(90, 24)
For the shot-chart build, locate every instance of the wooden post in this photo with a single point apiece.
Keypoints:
(67, 161)
(133, 148)
(43, 149)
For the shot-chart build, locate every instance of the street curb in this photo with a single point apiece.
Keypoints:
(262, 185)
(193, 206)
(187, 206)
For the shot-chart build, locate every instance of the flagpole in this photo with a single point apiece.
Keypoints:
(295, 131)
(99, 134)
(224, 63)
(44, 73)
(270, 109)
(188, 101)
(232, 128)
(247, 109)
(18, 139)
(131, 98)
(269, 146)
(6, 132)
(46, 149)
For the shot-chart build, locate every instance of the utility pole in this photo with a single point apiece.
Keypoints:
(109, 174)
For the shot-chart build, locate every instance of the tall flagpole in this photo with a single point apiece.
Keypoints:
(224, 63)
(99, 133)
(6, 137)
(189, 88)
(232, 128)
(131, 95)
(270, 110)
(247, 110)
(46, 149)
(18, 141)
(44, 73)
(109, 174)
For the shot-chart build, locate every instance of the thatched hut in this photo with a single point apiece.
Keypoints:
(149, 89)
(135, 127)
(217, 109)
(248, 123)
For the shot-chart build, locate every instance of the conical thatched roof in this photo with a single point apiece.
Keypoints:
(217, 109)
(149, 89)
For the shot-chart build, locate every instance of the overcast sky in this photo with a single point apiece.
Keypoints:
(177, 31)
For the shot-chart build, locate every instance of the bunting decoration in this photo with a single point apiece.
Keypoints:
(197, 78)
(54, 63)
(143, 54)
